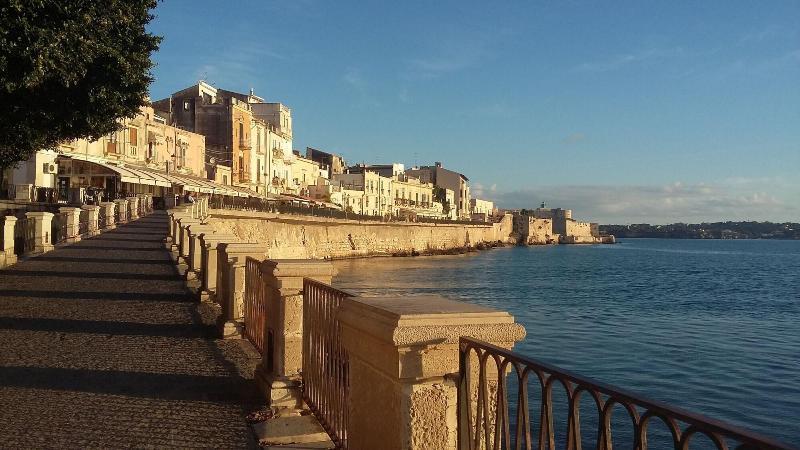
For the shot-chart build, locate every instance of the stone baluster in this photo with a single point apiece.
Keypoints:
(109, 208)
(43, 240)
(278, 374)
(93, 212)
(133, 207)
(403, 352)
(231, 259)
(7, 255)
(209, 263)
(73, 218)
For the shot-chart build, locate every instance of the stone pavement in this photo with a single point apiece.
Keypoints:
(101, 346)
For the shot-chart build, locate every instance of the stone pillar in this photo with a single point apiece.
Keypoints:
(7, 239)
(193, 259)
(122, 207)
(278, 374)
(209, 263)
(94, 215)
(109, 208)
(174, 230)
(231, 260)
(183, 236)
(73, 217)
(43, 222)
(403, 352)
(133, 208)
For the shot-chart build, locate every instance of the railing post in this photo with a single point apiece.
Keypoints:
(109, 208)
(94, 214)
(183, 236)
(404, 363)
(7, 236)
(193, 259)
(231, 257)
(209, 263)
(43, 241)
(122, 207)
(73, 217)
(133, 205)
(278, 374)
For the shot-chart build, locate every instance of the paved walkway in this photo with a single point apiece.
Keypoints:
(101, 346)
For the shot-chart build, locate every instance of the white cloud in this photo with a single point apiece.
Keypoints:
(676, 202)
(619, 61)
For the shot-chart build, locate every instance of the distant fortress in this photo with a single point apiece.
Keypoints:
(543, 225)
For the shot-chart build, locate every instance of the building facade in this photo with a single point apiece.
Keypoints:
(447, 179)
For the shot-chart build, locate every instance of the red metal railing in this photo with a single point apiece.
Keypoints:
(255, 303)
(325, 361)
(493, 416)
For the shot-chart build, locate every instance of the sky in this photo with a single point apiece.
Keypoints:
(625, 112)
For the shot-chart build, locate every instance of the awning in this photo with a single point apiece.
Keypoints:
(126, 174)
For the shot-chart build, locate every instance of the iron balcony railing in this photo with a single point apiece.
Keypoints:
(255, 303)
(325, 361)
(495, 410)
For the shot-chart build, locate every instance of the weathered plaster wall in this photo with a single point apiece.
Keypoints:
(534, 231)
(317, 238)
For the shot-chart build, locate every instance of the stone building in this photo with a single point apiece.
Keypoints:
(144, 156)
(447, 179)
(481, 210)
(374, 190)
(413, 198)
(332, 163)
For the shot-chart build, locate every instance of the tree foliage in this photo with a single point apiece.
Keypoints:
(70, 69)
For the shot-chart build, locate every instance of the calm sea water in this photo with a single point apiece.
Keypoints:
(711, 326)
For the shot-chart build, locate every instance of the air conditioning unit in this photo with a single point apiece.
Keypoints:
(50, 168)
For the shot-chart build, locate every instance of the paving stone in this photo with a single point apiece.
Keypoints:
(103, 346)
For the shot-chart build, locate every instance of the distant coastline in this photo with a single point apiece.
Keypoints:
(715, 230)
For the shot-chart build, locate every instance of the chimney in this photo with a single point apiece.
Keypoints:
(438, 164)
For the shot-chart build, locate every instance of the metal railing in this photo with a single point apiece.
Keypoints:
(101, 218)
(494, 411)
(24, 235)
(255, 303)
(325, 361)
(83, 222)
(59, 228)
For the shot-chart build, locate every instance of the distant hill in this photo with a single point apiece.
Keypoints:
(716, 230)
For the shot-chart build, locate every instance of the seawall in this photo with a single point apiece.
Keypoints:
(322, 238)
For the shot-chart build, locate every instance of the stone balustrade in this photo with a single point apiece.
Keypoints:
(94, 215)
(404, 365)
(231, 257)
(72, 217)
(133, 208)
(43, 239)
(122, 210)
(110, 223)
(209, 263)
(194, 254)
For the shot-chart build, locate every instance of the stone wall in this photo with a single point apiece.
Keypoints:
(534, 231)
(317, 238)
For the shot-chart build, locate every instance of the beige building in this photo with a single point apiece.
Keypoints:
(413, 198)
(481, 210)
(447, 179)
(304, 174)
(144, 156)
(375, 191)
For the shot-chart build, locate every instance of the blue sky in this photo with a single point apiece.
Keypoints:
(627, 112)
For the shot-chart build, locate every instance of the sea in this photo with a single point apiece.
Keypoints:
(711, 326)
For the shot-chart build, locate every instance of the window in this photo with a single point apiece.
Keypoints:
(186, 105)
(241, 164)
(241, 130)
(224, 179)
(133, 135)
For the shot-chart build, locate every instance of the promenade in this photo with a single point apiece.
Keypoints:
(102, 346)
